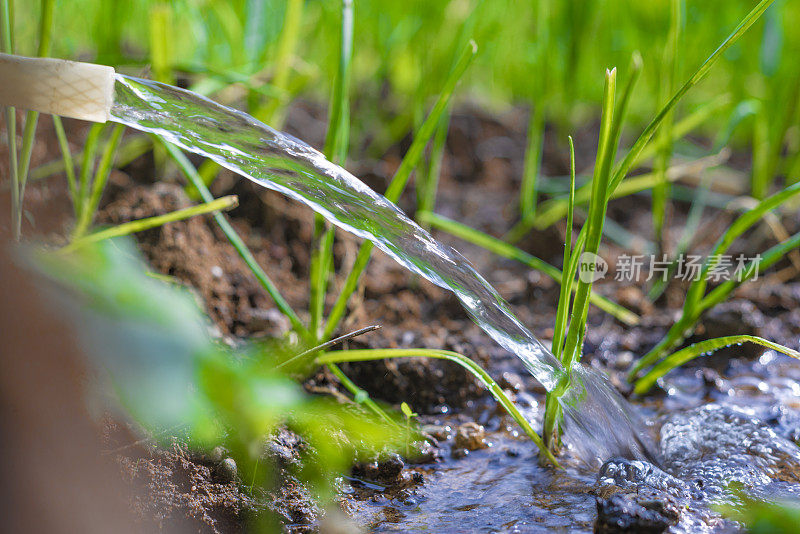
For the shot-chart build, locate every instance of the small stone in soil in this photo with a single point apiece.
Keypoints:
(459, 453)
(226, 470)
(438, 432)
(423, 452)
(622, 513)
(470, 436)
(390, 468)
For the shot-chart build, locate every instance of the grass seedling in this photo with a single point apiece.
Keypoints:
(699, 200)
(528, 194)
(573, 344)
(554, 209)
(273, 111)
(570, 264)
(89, 201)
(776, 112)
(409, 414)
(7, 44)
(638, 148)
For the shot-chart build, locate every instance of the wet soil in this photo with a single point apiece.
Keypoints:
(472, 479)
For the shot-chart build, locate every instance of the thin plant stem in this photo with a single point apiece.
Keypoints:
(336, 145)
(426, 194)
(66, 157)
(7, 44)
(594, 223)
(660, 193)
(647, 134)
(91, 202)
(87, 163)
(329, 344)
(32, 117)
(568, 276)
(272, 112)
(224, 203)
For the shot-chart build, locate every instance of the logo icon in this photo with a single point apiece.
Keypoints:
(591, 267)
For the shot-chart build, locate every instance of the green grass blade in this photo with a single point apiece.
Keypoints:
(597, 210)
(553, 210)
(501, 248)
(338, 135)
(191, 174)
(66, 158)
(91, 202)
(621, 111)
(11, 119)
(463, 361)
(532, 162)
(87, 163)
(768, 259)
(160, 24)
(685, 126)
(568, 275)
(319, 271)
(32, 117)
(272, 112)
(743, 223)
(644, 138)
(223, 203)
(644, 384)
(130, 149)
(350, 283)
(428, 128)
(426, 191)
(336, 147)
(692, 312)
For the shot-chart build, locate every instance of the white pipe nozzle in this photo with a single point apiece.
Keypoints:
(68, 88)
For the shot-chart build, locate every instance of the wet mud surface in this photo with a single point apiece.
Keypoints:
(734, 416)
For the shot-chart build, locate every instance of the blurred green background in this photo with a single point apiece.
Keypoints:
(547, 53)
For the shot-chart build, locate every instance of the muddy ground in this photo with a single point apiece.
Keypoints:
(479, 474)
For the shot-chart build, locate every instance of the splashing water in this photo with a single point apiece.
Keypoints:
(599, 423)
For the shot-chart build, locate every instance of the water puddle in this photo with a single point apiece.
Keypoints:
(711, 436)
(499, 489)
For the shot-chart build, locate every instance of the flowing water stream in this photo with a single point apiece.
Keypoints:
(599, 423)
